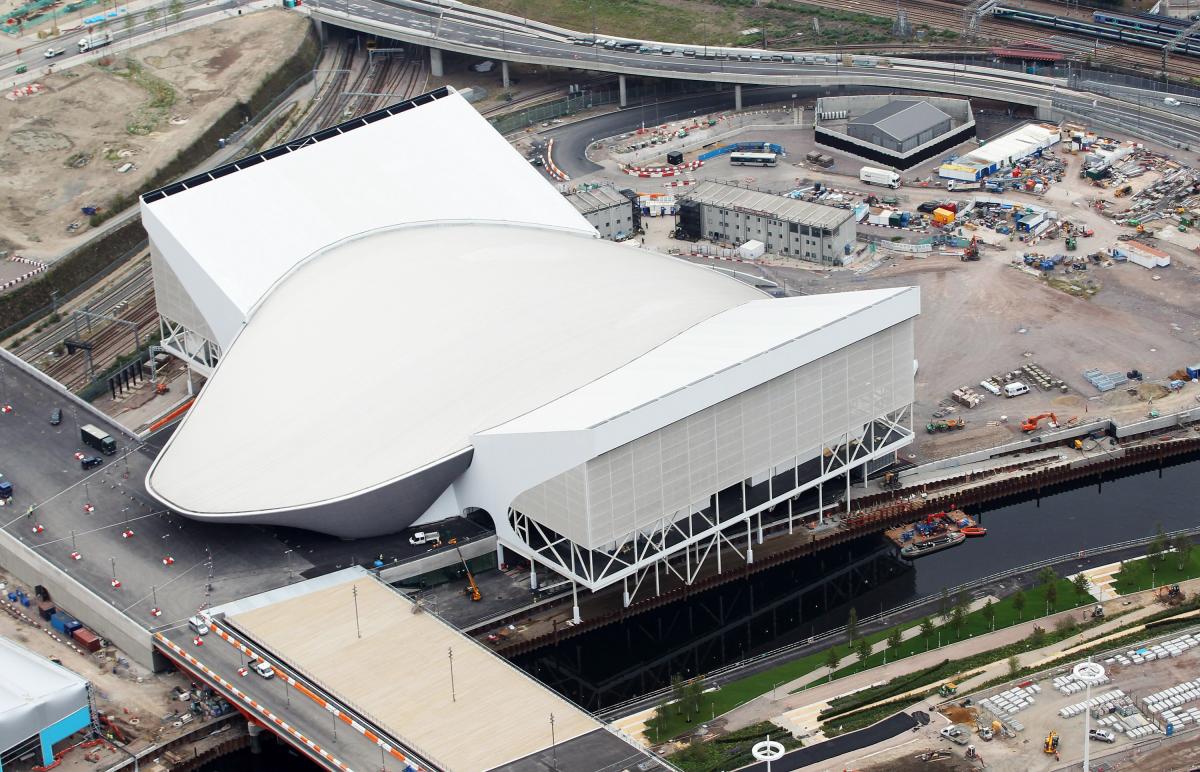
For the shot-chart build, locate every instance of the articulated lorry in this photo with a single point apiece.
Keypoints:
(99, 40)
(883, 177)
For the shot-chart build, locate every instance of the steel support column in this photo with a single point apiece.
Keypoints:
(435, 63)
(621, 85)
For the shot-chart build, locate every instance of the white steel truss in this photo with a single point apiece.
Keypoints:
(680, 543)
(200, 353)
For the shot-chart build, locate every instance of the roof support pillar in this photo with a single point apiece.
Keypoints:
(737, 96)
(621, 85)
(504, 74)
(435, 62)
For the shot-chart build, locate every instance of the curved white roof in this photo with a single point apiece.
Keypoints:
(231, 234)
(34, 693)
(383, 354)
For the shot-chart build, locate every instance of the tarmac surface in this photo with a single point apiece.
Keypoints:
(212, 563)
(847, 743)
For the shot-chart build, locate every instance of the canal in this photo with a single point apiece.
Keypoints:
(810, 595)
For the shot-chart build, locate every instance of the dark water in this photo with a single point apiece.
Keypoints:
(274, 756)
(791, 602)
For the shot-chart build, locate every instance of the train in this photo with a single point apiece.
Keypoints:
(1149, 39)
(1149, 22)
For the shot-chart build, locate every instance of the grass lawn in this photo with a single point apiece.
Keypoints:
(1138, 575)
(787, 25)
(730, 751)
(734, 693)
(974, 623)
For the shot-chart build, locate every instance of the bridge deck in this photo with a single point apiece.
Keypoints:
(398, 674)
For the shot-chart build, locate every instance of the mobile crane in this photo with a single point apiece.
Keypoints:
(472, 588)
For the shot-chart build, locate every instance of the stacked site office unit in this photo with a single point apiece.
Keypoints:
(898, 133)
(727, 213)
(615, 214)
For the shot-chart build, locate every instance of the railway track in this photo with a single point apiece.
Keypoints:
(328, 96)
(947, 14)
(109, 342)
(131, 290)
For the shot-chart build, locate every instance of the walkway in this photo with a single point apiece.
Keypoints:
(785, 706)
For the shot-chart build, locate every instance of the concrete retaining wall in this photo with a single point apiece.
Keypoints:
(440, 559)
(78, 601)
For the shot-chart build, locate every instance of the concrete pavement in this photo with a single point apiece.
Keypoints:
(764, 708)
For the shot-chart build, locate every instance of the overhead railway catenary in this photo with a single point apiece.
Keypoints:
(1147, 39)
(946, 14)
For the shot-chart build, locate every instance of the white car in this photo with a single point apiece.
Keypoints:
(1103, 735)
(264, 669)
(53, 52)
(1171, 102)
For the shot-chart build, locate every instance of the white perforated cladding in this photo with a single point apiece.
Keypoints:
(667, 472)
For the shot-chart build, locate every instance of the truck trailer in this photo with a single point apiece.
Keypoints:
(97, 438)
(873, 176)
(99, 40)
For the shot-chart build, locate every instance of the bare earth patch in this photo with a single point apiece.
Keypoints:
(61, 151)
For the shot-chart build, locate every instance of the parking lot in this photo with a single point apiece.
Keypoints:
(1133, 706)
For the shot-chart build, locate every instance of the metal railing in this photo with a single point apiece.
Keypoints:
(616, 711)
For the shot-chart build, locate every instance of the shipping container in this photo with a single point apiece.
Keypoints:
(86, 638)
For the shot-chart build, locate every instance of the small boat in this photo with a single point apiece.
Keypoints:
(928, 547)
(973, 530)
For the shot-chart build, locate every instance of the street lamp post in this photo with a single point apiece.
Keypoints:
(1089, 673)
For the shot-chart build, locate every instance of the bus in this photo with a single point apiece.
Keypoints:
(752, 159)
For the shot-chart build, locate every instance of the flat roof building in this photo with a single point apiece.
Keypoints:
(586, 395)
(719, 211)
(614, 214)
(41, 704)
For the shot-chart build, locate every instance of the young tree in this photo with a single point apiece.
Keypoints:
(832, 659)
(927, 630)
(989, 612)
(944, 605)
(1052, 595)
(961, 601)
(176, 10)
(1037, 638)
(1081, 585)
(151, 16)
(1018, 603)
(894, 640)
(1183, 550)
(862, 650)
(957, 618)
(1014, 665)
(852, 625)
(658, 722)
(1047, 577)
(1158, 545)
(693, 695)
(677, 694)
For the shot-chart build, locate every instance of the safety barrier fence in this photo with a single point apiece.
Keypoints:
(258, 709)
(319, 699)
(783, 652)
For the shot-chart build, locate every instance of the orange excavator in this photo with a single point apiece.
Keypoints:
(1031, 424)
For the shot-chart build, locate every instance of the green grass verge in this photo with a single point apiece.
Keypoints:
(729, 751)
(742, 690)
(1144, 574)
(974, 624)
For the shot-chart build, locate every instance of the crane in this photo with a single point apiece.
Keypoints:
(472, 588)
(1031, 424)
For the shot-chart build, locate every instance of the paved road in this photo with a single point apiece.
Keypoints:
(282, 700)
(474, 30)
(46, 475)
(847, 743)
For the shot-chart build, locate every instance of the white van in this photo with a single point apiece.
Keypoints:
(264, 669)
(1015, 389)
(198, 625)
(424, 537)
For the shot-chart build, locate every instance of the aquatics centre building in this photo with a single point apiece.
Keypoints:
(394, 335)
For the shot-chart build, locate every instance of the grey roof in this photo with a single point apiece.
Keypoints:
(778, 207)
(903, 118)
(587, 201)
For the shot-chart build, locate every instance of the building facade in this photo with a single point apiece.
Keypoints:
(614, 214)
(897, 133)
(727, 213)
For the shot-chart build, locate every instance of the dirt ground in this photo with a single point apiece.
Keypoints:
(132, 692)
(61, 149)
(980, 319)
